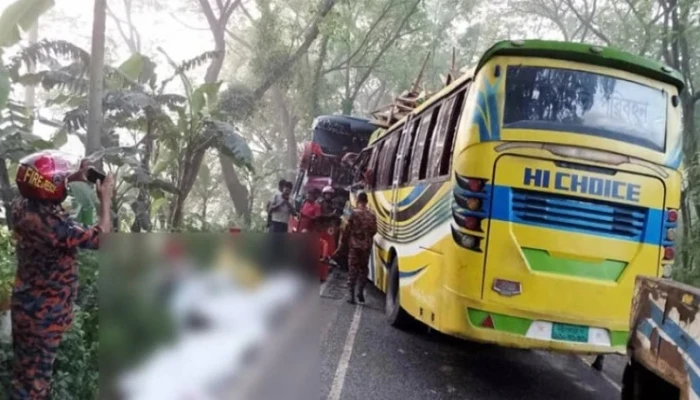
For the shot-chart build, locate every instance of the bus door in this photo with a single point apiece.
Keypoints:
(404, 149)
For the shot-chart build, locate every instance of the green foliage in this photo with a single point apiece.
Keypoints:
(138, 68)
(15, 119)
(16, 141)
(237, 102)
(20, 16)
(230, 143)
(84, 202)
(49, 52)
(7, 275)
(205, 99)
(7, 266)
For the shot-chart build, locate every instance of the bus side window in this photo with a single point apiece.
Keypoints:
(449, 144)
(360, 165)
(373, 165)
(407, 144)
(419, 163)
(439, 138)
(387, 160)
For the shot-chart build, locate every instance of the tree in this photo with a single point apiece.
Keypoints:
(241, 98)
(94, 132)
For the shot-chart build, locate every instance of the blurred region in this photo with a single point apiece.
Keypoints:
(208, 316)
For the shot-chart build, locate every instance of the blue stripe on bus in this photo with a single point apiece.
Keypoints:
(415, 192)
(410, 274)
(674, 157)
(572, 221)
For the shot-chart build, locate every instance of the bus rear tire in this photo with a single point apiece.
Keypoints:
(395, 314)
(638, 383)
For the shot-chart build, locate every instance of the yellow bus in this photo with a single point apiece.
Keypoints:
(517, 205)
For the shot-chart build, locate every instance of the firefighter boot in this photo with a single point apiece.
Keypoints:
(361, 295)
(351, 295)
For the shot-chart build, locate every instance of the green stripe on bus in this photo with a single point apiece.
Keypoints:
(542, 261)
(506, 323)
(619, 338)
(519, 326)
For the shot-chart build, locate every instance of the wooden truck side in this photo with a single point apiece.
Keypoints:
(664, 342)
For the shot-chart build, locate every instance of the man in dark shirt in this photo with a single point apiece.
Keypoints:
(359, 233)
(46, 284)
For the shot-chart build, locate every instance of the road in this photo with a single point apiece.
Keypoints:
(363, 358)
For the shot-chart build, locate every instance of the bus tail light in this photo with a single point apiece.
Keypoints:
(669, 253)
(469, 241)
(472, 223)
(670, 234)
(473, 204)
(668, 270)
(475, 185)
(470, 208)
(672, 215)
(668, 242)
(466, 240)
(488, 322)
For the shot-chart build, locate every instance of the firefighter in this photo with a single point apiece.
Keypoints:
(327, 208)
(359, 234)
(46, 285)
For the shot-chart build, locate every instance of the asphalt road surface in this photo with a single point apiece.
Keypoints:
(362, 357)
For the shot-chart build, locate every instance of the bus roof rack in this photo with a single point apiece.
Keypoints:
(402, 105)
(409, 100)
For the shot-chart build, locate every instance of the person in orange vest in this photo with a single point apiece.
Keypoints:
(310, 211)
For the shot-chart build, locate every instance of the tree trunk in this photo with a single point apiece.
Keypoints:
(203, 216)
(95, 117)
(288, 122)
(142, 205)
(29, 90)
(193, 161)
(236, 190)
(317, 83)
(6, 192)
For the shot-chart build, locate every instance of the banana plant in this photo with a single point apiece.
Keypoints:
(18, 17)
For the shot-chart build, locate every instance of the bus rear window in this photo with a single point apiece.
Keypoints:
(586, 103)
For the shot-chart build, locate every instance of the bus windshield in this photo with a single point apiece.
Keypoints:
(339, 135)
(586, 103)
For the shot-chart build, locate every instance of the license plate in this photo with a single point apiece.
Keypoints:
(570, 333)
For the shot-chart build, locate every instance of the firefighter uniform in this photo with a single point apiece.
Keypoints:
(359, 233)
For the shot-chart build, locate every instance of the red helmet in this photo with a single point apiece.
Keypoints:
(42, 175)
